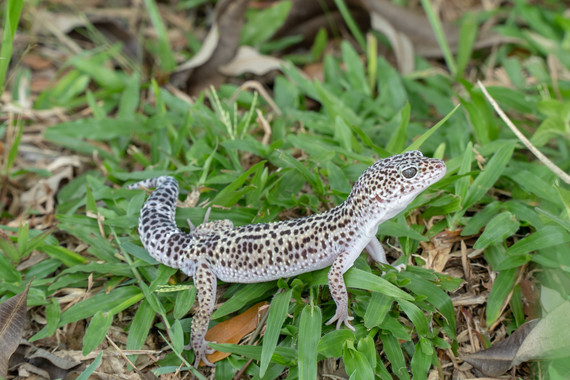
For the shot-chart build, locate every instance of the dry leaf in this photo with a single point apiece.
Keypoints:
(234, 329)
(401, 44)
(12, 318)
(249, 60)
(498, 359)
(548, 338)
(229, 18)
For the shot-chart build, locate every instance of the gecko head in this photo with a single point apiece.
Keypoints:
(392, 183)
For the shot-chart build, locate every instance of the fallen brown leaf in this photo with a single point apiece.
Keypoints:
(12, 318)
(234, 329)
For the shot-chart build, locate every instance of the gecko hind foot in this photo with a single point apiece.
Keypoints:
(201, 352)
(340, 318)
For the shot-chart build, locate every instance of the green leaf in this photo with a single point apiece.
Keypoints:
(421, 361)
(53, 313)
(481, 218)
(398, 140)
(377, 309)
(105, 77)
(440, 36)
(67, 257)
(96, 331)
(351, 23)
(229, 195)
(497, 230)
(337, 178)
(310, 326)
(467, 37)
(140, 327)
(11, 19)
(400, 229)
(544, 238)
(244, 297)
(176, 334)
(184, 301)
(367, 347)
(434, 295)
(331, 344)
(415, 315)
(427, 134)
(357, 366)
(13, 152)
(354, 69)
(165, 54)
(91, 368)
(117, 300)
(501, 289)
(277, 315)
(395, 356)
(487, 178)
(336, 107)
(261, 25)
(359, 279)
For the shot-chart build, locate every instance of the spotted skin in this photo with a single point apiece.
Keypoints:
(268, 251)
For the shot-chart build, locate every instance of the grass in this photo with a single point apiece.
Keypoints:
(500, 200)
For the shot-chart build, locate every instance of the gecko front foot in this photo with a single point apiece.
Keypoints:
(341, 316)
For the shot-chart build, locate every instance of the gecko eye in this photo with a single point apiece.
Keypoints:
(409, 172)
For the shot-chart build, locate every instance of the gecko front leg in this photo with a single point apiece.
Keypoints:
(205, 281)
(376, 251)
(338, 289)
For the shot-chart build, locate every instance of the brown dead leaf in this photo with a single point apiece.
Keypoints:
(36, 62)
(401, 44)
(438, 249)
(249, 60)
(498, 359)
(234, 329)
(229, 19)
(12, 318)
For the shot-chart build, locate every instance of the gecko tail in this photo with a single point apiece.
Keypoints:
(160, 236)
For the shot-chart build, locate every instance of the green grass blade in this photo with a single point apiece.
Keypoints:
(309, 335)
(331, 344)
(544, 238)
(242, 298)
(421, 361)
(352, 26)
(377, 309)
(115, 301)
(356, 278)
(440, 36)
(502, 287)
(498, 229)
(140, 327)
(467, 36)
(165, 54)
(96, 331)
(91, 368)
(277, 315)
(417, 143)
(415, 315)
(434, 295)
(487, 178)
(398, 140)
(395, 355)
(13, 153)
(12, 17)
(357, 366)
